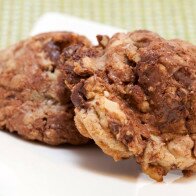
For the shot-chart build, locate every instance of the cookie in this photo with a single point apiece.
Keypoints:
(135, 95)
(34, 101)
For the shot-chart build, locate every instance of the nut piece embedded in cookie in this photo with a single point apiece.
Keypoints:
(140, 90)
(33, 99)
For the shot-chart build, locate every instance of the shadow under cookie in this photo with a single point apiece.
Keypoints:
(91, 158)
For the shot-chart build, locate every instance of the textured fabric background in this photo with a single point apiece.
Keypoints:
(170, 18)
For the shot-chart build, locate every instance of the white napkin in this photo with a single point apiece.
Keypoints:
(62, 22)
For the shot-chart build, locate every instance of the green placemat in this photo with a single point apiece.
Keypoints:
(170, 18)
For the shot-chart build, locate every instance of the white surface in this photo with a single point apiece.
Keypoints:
(29, 169)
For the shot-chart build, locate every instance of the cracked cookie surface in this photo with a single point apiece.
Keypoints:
(33, 99)
(135, 94)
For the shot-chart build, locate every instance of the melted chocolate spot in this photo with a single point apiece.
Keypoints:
(78, 95)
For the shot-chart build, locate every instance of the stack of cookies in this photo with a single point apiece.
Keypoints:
(134, 94)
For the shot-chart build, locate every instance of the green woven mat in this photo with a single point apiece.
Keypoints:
(170, 18)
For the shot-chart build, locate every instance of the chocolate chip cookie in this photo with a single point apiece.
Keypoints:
(135, 95)
(34, 101)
